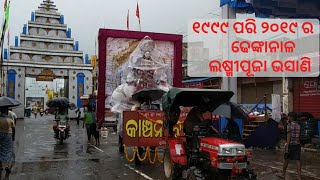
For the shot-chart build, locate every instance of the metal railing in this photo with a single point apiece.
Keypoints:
(264, 99)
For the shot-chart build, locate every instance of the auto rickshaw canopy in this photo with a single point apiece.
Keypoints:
(188, 97)
(218, 100)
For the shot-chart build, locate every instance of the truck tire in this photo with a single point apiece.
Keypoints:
(171, 170)
(61, 137)
(194, 173)
(120, 145)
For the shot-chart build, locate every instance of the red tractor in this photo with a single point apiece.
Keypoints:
(203, 154)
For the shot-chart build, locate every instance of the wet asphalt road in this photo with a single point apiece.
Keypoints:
(40, 157)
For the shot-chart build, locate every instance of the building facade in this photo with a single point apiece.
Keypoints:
(46, 50)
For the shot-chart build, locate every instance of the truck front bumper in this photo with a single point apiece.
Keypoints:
(230, 165)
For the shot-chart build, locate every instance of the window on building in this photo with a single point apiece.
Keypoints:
(34, 44)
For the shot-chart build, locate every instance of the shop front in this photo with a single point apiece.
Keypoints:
(307, 95)
(203, 83)
(194, 83)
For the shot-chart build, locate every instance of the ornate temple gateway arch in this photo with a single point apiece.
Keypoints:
(46, 51)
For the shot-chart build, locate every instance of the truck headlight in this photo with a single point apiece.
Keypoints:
(240, 151)
(232, 150)
(226, 151)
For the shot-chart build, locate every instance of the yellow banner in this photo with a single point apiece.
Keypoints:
(50, 94)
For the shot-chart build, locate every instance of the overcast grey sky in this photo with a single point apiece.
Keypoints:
(85, 17)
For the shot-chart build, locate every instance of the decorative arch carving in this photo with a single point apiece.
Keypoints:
(46, 75)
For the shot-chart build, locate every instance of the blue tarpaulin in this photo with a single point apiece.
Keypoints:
(195, 80)
(241, 6)
(235, 3)
(265, 136)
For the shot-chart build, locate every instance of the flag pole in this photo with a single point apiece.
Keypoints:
(128, 21)
(139, 20)
(139, 24)
(4, 28)
(1, 57)
(8, 56)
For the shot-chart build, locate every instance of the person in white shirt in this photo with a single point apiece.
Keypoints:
(12, 116)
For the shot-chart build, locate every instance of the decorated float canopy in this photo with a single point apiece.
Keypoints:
(130, 61)
(276, 8)
(146, 74)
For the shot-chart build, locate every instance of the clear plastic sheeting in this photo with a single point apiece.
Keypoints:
(145, 69)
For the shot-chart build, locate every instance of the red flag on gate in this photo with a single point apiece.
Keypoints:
(128, 20)
(137, 11)
(138, 15)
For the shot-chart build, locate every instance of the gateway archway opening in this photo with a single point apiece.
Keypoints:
(39, 91)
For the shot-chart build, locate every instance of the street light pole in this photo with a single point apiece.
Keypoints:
(1, 57)
(229, 83)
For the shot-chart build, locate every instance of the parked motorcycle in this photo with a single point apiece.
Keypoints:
(61, 131)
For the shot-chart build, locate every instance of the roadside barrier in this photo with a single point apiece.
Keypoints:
(147, 154)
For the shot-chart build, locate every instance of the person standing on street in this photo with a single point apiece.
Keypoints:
(35, 110)
(293, 146)
(7, 136)
(88, 120)
(13, 116)
(78, 111)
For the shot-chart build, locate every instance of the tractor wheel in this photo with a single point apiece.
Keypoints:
(171, 171)
(120, 145)
(249, 175)
(194, 173)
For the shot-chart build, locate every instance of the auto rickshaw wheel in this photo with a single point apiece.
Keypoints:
(194, 173)
(171, 171)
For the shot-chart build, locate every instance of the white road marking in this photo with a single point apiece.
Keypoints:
(138, 172)
(96, 148)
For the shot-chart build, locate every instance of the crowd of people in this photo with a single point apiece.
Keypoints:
(35, 109)
(8, 123)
